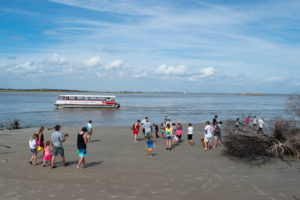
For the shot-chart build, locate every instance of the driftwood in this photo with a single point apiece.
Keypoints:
(281, 142)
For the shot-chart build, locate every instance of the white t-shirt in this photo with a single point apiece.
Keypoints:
(89, 126)
(209, 130)
(147, 127)
(32, 144)
(190, 130)
(254, 121)
(260, 123)
(143, 121)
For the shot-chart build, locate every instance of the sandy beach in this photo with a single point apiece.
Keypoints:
(119, 169)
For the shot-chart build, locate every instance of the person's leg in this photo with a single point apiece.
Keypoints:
(135, 138)
(34, 158)
(205, 146)
(83, 162)
(79, 162)
(150, 154)
(52, 161)
(63, 160)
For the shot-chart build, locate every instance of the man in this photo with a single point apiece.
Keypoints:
(217, 135)
(57, 138)
(148, 128)
(215, 119)
(261, 125)
(143, 122)
(247, 121)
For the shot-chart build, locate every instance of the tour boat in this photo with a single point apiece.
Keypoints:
(86, 101)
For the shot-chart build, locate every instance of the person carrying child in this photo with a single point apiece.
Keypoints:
(149, 146)
(208, 135)
(175, 138)
(47, 154)
(33, 149)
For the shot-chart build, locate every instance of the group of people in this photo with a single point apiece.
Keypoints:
(257, 125)
(54, 147)
(172, 133)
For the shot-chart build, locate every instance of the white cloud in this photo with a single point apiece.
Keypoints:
(274, 79)
(95, 61)
(24, 68)
(2, 65)
(55, 59)
(115, 65)
(296, 83)
(207, 72)
(171, 70)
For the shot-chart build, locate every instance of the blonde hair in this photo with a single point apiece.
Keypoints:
(33, 137)
(41, 130)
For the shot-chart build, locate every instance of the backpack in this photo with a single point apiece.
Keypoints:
(132, 127)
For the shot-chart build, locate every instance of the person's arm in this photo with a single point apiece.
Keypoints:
(40, 138)
(77, 142)
(85, 139)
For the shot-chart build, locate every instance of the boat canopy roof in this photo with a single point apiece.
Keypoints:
(79, 95)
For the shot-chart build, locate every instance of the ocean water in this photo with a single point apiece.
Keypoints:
(36, 109)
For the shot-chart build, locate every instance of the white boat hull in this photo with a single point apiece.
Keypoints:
(85, 104)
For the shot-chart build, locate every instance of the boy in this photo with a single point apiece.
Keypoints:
(89, 128)
(190, 134)
(149, 146)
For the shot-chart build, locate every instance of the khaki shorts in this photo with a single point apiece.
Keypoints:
(90, 133)
(207, 139)
(148, 134)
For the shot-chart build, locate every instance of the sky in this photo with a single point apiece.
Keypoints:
(151, 45)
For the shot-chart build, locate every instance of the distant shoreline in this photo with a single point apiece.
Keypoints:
(63, 90)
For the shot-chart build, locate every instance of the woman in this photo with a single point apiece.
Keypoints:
(136, 129)
(40, 140)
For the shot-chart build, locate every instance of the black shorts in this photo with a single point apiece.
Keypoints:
(260, 129)
(190, 136)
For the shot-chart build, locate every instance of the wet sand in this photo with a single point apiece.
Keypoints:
(119, 169)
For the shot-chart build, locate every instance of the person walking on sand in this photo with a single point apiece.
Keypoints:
(149, 146)
(217, 135)
(148, 128)
(47, 154)
(40, 140)
(208, 136)
(261, 125)
(143, 122)
(162, 129)
(57, 138)
(237, 125)
(136, 129)
(247, 121)
(81, 147)
(33, 149)
(89, 128)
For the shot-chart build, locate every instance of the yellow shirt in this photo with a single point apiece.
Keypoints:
(169, 131)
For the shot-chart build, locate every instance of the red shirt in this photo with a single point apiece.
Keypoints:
(136, 128)
(247, 120)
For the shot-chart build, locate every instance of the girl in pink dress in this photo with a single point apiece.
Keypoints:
(47, 154)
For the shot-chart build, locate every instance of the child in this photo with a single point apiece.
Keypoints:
(89, 128)
(136, 129)
(156, 130)
(162, 130)
(217, 135)
(33, 149)
(190, 134)
(40, 140)
(149, 146)
(179, 131)
(174, 130)
(208, 136)
(169, 135)
(47, 154)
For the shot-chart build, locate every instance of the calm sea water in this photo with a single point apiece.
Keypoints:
(35, 109)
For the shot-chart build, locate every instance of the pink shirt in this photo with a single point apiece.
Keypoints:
(247, 121)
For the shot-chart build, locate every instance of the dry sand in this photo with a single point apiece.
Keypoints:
(119, 169)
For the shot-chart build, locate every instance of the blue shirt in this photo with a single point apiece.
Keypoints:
(149, 144)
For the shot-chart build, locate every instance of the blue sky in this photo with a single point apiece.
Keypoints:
(153, 45)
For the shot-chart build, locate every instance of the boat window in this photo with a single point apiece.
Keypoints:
(93, 98)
